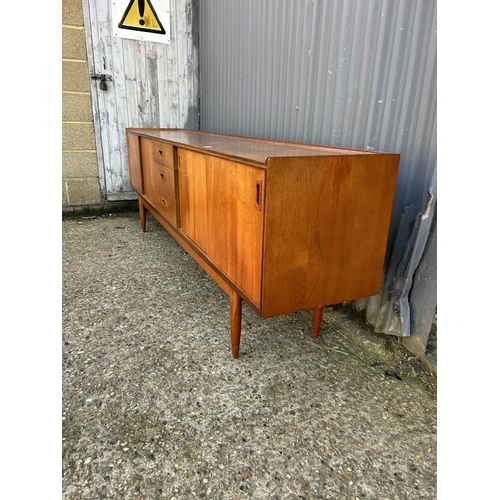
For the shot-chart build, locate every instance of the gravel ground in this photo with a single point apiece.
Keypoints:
(154, 406)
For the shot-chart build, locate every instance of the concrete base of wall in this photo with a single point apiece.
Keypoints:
(417, 347)
(100, 208)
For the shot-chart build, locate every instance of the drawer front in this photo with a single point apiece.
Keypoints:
(167, 206)
(165, 179)
(163, 154)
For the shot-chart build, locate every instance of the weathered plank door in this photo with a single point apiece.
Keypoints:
(137, 83)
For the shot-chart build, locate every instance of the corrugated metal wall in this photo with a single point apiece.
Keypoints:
(358, 74)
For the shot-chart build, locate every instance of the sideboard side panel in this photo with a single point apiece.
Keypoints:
(326, 227)
(134, 161)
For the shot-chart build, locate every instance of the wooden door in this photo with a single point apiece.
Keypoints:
(221, 205)
(235, 197)
(193, 196)
(148, 84)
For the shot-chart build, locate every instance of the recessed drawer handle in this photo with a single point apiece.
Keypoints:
(162, 176)
(160, 151)
(164, 201)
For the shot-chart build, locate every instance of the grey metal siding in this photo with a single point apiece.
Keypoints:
(358, 74)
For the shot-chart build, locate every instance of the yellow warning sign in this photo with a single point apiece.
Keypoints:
(140, 15)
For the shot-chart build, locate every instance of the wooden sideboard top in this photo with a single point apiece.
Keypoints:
(242, 148)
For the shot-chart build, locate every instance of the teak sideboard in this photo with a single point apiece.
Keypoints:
(283, 226)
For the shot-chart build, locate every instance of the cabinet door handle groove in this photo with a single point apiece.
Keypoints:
(258, 193)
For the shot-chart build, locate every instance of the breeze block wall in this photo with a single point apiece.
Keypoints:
(80, 176)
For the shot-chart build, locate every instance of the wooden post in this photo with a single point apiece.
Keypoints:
(235, 313)
(317, 315)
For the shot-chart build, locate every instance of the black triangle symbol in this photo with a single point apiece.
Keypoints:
(140, 25)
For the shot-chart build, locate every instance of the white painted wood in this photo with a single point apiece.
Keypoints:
(152, 85)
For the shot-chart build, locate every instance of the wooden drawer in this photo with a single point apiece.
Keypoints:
(167, 205)
(163, 154)
(165, 179)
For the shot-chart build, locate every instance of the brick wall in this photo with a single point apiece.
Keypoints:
(80, 178)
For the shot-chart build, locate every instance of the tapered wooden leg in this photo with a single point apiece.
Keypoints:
(317, 315)
(235, 313)
(142, 215)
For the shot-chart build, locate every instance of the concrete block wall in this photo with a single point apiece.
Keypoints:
(80, 176)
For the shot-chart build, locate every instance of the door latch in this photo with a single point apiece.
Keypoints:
(102, 83)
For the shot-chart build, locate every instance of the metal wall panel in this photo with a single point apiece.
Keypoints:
(358, 74)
